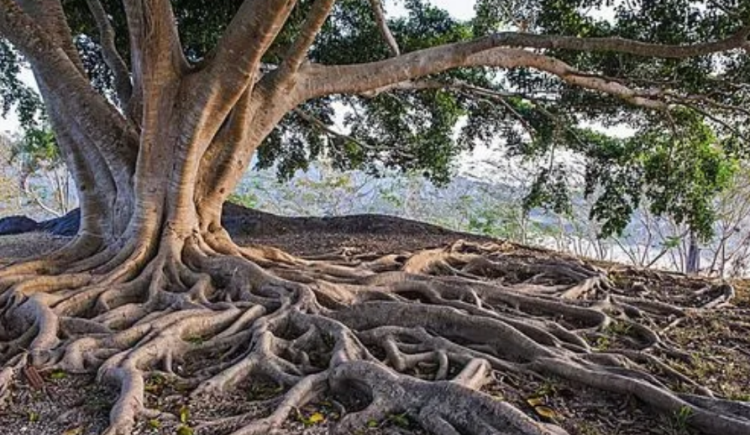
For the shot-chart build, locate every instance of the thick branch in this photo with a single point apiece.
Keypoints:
(619, 45)
(379, 80)
(89, 110)
(377, 9)
(456, 85)
(109, 51)
(252, 118)
(568, 74)
(325, 80)
(49, 15)
(155, 47)
(314, 22)
(93, 178)
(236, 60)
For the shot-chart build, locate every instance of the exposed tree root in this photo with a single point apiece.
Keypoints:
(345, 326)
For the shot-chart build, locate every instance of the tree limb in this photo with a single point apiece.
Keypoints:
(457, 85)
(310, 29)
(58, 75)
(377, 9)
(155, 47)
(354, 80)
(111, 56)
(236, 60)
(327, 129)
(487, 51)
(49, 15)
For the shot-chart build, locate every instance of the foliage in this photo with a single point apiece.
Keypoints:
(9, 191)
(40, 169)
(36, 150)
(14, 93)
(678, 173)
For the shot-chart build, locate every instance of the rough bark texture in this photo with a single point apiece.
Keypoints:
(350, 326)
(152, 270)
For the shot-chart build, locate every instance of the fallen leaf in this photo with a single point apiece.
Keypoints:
(316, 418)
(57, 375)
(184, 414)
(535, 401)
(400, 420)
(546, 412)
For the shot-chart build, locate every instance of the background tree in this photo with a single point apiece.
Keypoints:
(36, 155)
(157, 142)
(8, 186)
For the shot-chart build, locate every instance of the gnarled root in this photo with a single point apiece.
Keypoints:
(345, 327)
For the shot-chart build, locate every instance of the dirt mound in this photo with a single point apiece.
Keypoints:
(17, 225)
(239, 220)
(66, 225)
(242, 221)
(708, 345)
(298, 235)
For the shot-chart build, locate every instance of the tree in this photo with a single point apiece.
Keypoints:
(8, 186)
(158, 142)
(36, 154)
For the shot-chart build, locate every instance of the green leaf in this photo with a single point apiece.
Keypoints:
(546, 412)
(400, 420)
(154, 423)
(184, 414)
(58, 375)
(316, 418)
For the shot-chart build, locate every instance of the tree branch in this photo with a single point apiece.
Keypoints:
(310, 29)
(236, 60)
(377, 9)
(22, 21)
(360, 78)
(250, 120)
(470, 91)
(457, 85)
(353, 80)
(61, 81)
(155, 47)
(49, 15)
(33, 195)
(327, 129)
(111, 56)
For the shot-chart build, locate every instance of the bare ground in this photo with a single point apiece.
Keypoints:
(714, 345)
